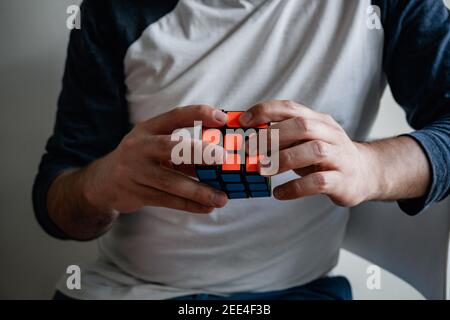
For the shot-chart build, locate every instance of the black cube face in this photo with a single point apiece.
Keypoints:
(238, 179)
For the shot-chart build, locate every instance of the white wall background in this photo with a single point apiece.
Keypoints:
(33, 41)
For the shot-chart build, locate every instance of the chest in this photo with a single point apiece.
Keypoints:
(233, 54)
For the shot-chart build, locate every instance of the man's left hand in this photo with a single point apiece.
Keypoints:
(317, 148)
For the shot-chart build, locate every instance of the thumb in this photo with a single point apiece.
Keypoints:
(183, 117)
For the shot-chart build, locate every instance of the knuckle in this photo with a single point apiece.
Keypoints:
(203, 109)
(287, 158)
(327, 117)
(144, 127)
(321, 182)
(303, 124)
(263, 107)
(289, 104)
(177, 109)
(129, 143)
(321, 149)
(140, 126)
(175, 112)
(341, 132)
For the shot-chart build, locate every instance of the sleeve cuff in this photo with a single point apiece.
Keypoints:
(40, 189)
(434, 143)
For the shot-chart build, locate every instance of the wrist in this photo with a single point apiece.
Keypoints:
(374, 176)
(95, 187)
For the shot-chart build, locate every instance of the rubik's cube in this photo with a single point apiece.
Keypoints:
(238, 179)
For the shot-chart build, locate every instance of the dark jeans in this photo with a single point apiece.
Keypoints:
(328, 288)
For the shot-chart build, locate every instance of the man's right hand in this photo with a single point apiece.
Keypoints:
(85, 202)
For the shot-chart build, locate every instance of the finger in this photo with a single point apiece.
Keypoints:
(316, 183)
(166, 148)
(182, 186)
(295, 130)
(306, 155)
(183, 117)
(274, 111)
(298, 129)
(154, 197)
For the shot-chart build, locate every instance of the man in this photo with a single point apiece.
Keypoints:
(164, 235)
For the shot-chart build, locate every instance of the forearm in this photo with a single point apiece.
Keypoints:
(72, 205)
(400, 168)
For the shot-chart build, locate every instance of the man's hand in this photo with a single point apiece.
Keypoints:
(86, 201)
(316, 147)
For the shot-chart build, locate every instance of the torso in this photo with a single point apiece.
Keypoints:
(233, 54)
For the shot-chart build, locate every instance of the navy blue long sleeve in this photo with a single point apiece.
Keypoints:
(92, 115)
(417, 65)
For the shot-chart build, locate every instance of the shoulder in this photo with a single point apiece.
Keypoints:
(122, 20)
(427, 12)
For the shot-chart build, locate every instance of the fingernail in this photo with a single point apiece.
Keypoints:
(220, 116)
(246, 117)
